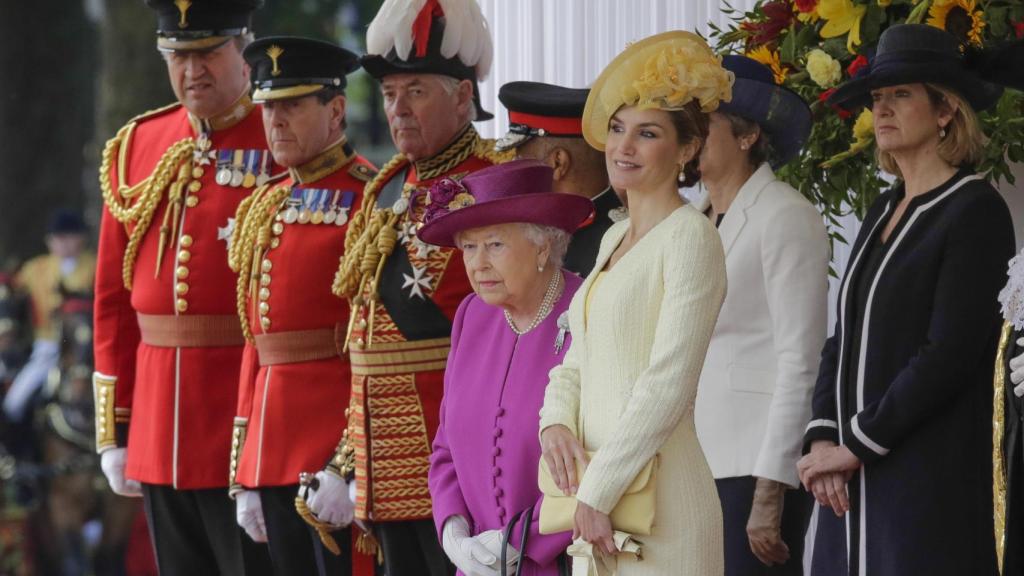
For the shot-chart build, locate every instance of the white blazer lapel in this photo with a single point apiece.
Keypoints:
(736, 216)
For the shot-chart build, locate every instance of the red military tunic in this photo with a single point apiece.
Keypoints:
(294, 384)
(400, 335)
(167, 342)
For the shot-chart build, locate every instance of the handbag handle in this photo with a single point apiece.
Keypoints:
(527, 517)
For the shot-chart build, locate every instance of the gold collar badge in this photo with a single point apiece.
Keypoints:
(183, 6)
(274, 52)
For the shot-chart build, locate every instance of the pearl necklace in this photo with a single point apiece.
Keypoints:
(550, 295)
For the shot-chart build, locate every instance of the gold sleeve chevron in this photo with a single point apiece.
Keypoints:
(106, 414)
(238, 431)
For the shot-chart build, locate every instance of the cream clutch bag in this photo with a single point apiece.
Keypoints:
(633, 514)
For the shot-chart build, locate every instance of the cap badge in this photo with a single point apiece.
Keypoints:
(274, 52)
(183, 6)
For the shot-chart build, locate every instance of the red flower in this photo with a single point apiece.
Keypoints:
(1018, 28)
(858, 63)
(806, 6)
(777, 17)
(841, 112)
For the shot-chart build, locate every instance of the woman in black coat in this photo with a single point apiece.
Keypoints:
(900, 439)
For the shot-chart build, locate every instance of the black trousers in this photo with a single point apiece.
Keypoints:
(295, 547)
(411, 548)
(194, 533)
(737, 496)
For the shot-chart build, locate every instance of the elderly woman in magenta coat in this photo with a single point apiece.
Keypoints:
(513, 232)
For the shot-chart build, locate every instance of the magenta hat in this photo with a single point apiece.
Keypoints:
(516, 191)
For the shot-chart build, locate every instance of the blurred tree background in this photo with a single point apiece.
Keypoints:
(77, 70)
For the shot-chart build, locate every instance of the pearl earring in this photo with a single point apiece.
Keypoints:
(540, 268)
(942, 132)
(682, 174)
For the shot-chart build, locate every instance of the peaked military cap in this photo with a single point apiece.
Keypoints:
(289, 66)
(200, 24)
(538, 109)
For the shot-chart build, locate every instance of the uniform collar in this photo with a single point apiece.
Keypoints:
(325, 163)
(230, 117)
(450, 157)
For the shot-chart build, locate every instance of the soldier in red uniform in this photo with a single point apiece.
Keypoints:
(404, 292)
(167, 341)
(289, 237)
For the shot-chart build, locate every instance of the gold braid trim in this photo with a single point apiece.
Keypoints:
(367, 240)
(250, 238)
(484, 149)
(173, 165)
(464, 145)
(998, 464)
(365, 543)
(323, 529)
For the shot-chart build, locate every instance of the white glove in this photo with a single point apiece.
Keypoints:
(491, 539)
(249, 514)
(112, 464)
(468, 555)
(1017, 371)
(330, 502)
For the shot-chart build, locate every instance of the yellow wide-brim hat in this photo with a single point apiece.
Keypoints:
(666, 71)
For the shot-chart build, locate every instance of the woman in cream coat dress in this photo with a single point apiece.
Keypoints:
(642, 321)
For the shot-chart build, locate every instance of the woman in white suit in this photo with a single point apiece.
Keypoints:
(754, 397)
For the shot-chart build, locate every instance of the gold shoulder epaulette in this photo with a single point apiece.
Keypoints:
(156, 112)
(485, 149)
(361, 172)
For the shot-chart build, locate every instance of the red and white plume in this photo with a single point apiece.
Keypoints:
(405, 25)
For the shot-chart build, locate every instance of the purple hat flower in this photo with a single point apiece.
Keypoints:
(517, 191)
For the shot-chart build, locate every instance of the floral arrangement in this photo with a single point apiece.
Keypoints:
(812, 46)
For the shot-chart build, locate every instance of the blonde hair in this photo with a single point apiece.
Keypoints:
(964, 142)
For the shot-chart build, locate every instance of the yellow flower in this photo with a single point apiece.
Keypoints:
(823, 69)
(769, 58)
(962, 18)
(863, 138)
(842, 17)
(678, 74)
(864, 127)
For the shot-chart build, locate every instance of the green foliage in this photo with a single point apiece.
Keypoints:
(851, 182)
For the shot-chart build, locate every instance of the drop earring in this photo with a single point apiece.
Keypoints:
(942, 132)
(682, 174)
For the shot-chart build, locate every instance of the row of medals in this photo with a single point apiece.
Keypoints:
(235, 171)
(309, 206)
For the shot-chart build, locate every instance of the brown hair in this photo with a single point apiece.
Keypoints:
(964, 142)
(690, 123)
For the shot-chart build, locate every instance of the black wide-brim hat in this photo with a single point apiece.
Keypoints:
(779, 111)
(201, 24)
(432, 62)
(918, 53)
(289, 67)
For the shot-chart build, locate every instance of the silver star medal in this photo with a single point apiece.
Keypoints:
(224, 233)
(563, 329)
(417, 282)
(202, 153)
(423, 249)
